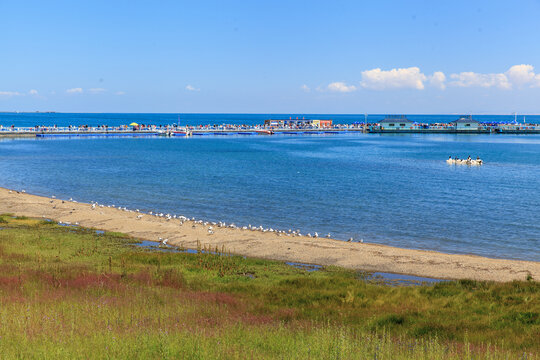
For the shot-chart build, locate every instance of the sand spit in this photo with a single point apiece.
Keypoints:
(322, 251)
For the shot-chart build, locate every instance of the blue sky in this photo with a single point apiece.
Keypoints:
(271, 57)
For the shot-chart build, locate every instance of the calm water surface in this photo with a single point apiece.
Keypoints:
(389, 189)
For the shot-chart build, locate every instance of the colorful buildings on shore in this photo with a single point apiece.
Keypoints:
(298, 123)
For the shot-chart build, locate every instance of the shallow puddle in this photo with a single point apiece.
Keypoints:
(307, 267)
(154, 245)
(67, 224)
(376, 277)
(401, 280)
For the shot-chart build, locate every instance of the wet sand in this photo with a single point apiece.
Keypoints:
(321, 251)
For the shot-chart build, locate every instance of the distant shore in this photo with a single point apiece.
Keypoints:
(269, 245)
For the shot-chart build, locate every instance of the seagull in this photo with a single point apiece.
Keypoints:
(350, 240)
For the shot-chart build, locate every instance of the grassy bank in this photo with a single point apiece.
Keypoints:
(68, 292)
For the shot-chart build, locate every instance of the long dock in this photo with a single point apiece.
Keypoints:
(209, 131)
(29, 133)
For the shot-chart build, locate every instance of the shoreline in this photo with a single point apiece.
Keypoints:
(269, 245)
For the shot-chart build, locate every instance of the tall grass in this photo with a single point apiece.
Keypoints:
(67, 292)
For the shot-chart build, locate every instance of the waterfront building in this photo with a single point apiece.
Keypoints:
(465, 123)
(396, 122)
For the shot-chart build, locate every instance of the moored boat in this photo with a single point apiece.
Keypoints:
(264, 132)
(468, 161)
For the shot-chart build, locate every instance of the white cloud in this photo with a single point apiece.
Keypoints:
(33, 92)
(438, 80)
(74, 91)
(536, 81)
(119, 93)
(192, 88)
(10, 93)
(305, 88)
(341, 87)
(378, 79)
(516, 77)
(472, 79)
(520, 75)
(96, 90)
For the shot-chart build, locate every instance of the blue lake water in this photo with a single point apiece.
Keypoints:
(391, 189)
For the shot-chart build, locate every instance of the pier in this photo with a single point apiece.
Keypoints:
(390, 125)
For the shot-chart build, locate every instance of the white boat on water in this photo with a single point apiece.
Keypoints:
(468, 161)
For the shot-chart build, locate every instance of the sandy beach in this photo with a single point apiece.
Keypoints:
(321, 251)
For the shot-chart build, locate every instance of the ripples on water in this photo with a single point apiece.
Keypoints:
(389, 189)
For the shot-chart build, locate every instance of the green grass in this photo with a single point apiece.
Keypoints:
(67, 292)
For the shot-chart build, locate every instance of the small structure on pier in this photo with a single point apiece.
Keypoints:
(396, 122)
(465, 123)
(298, 123)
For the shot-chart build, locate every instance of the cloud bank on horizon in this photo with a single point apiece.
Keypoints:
(516, 77)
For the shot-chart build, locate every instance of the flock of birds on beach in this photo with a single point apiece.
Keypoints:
(195, 222)
(211, 224)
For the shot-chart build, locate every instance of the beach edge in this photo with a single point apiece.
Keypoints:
(269, 245)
